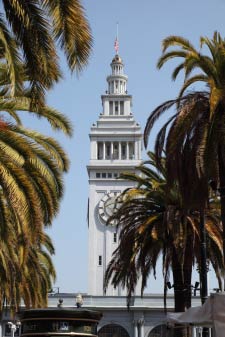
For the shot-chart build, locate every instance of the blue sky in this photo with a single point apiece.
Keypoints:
(142, 26)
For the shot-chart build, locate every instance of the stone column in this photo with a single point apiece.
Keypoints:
(141, 327)
(135, 328)
(120, 151)
(135, 150)
(104, 150)
(127, 150)
(111, 154)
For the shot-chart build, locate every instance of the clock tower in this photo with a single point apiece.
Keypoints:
(115, 141)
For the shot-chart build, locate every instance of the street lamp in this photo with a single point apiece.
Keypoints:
(184, 287)
(79, 300)
(13, 327)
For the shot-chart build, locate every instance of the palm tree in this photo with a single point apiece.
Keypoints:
(199, 122)
(152, 222)
(37, 26)
(31, 187)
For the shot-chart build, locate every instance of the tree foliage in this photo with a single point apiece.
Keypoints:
(38, 27)
(31, 188)
(194, 137)
(153, 223)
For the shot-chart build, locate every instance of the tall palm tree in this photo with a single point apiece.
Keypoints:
(37, 26)
(200, 120)
(152, 222)
(31, 187)
(30, 192)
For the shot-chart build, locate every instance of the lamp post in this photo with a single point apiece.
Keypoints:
(203, 266)
(79, 300)
(13, 327)
(203, 258)
(221, 190)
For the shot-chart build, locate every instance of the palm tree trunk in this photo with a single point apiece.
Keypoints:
(179, 293)
(178, 281)
(187, 270)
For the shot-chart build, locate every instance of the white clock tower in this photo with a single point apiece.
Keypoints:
(115, 142)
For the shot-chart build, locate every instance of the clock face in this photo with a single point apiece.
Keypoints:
(108, 205)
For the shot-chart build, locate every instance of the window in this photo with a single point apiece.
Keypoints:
(131, 150)
(113, 330)
(100, 260)
(109, 175)
(114, 237)
(103, 175)
(115, 175)
(123, 151)
(116, 108)
(108, 151)
(98, 175)
(115, 150)
(100, 150)
(111, 108)
(121, 108)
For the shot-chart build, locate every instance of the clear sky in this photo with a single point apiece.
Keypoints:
(142, 26)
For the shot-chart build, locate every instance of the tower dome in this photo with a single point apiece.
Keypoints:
(117, 81)
(117, 59)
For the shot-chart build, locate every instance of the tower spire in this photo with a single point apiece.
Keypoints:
(116, 43)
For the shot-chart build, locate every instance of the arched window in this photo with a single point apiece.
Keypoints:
(161, 331)
(112, 330)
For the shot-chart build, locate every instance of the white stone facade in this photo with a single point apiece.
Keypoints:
(116, 144)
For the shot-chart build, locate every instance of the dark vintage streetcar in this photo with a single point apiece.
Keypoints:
(57, 322)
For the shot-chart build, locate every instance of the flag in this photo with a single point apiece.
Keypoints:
(116, 45)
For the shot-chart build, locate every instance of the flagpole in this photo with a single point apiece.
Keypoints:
(116, 44)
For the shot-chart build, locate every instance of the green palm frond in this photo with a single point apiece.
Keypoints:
(177, 41)
(168, 56)
(192, 80)
(57, 120)
(72, 30)
(51, 146)
(177, 71)
(28, 23)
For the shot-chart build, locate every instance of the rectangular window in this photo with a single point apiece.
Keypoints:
(115, 175)
(116, 108)
(111, 108)
(108, 150)
(123, 150)
(100, 150)
(100, 260)
(98, 175)
(109, 175)
(115, 150)
(121, 108)
(103, 175)
(114, 237)
(131, 150)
